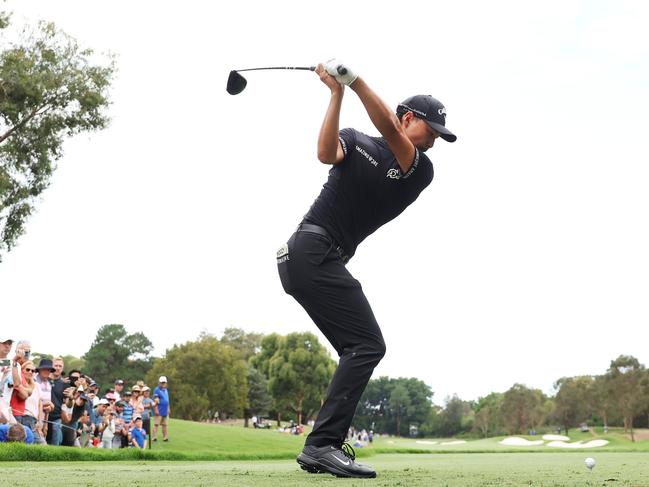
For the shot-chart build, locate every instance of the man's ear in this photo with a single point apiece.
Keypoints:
(406, 119)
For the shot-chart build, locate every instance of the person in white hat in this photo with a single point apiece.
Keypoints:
(162, 409)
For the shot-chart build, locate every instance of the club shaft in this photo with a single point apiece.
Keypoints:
(303, 68)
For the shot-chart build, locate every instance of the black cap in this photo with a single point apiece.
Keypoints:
(45, 363)
(431, 110)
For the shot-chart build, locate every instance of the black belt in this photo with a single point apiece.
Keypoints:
(317, 229)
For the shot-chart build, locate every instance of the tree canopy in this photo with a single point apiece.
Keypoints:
(299, 372)
(117, 354)
(50, 89)
(204, 375)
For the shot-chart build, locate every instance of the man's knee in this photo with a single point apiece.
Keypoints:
(374, 351)
(380, 350)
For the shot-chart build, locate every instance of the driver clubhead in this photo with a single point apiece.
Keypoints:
(236, 83)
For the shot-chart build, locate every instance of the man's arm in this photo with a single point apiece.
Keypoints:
(387, 123)
(23, 391)
(329, 149)
(134, 442)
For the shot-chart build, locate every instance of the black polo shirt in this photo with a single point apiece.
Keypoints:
(366, 189)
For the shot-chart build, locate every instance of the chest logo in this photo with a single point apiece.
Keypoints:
(393, 174)
(367, 156)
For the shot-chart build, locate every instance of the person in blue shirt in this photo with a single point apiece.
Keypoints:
(162, 409)
(138, 435)
(127, 416)
(16, 432)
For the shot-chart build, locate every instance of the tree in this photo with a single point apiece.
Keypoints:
(604, 401)
(574, 400)
(49, 90)
(248, 344)
(523, 409)
(300, 371)
(116, 354)
(399, 404)
(259, 399)
(203, 375)
(269, 346)
(625, 377)
(375, 410)
(488, 418)
(451, 418)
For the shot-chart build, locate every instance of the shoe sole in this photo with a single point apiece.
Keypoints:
(312, 465)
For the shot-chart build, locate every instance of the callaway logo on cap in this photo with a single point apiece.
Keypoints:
(431, 110)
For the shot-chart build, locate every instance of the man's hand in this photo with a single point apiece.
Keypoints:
(328, 80)
(342, 73)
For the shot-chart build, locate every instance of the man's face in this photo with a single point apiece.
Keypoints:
(5, 348)
(419, 132)
(163, 385)
(58, 369)
(119, 387)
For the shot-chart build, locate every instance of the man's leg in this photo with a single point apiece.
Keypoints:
(347, 318)
(315, 276)
(165, 433)
(156, 423)
(57, 432)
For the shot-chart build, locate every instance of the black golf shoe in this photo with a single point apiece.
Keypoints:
(336, 460)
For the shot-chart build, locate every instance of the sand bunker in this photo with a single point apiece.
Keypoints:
(426, 442)
(516, 441)
(456, 442)
(578, 444)
(555, 438)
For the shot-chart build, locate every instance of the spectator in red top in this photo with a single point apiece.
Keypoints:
(23, 387)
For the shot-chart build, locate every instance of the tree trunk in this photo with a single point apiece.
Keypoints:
(245, 422)
(279, 419)
(299, 411)
(631, 429)
(398, 425)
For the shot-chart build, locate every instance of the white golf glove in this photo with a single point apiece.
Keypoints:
(342, 73)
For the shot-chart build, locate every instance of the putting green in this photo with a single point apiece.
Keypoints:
(449, 470)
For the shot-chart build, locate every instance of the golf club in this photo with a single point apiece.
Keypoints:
(237, 83)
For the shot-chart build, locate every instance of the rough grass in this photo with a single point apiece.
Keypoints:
(191, 441)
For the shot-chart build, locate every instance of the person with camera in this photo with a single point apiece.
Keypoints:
(59, 384)
(72, 408)
(23, 384)
(107, 428)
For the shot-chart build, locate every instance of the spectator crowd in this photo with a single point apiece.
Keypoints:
(45, 404)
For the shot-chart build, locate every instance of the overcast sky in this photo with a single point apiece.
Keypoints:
(525, 260)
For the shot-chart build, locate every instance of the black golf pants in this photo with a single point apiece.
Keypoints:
(313, 272)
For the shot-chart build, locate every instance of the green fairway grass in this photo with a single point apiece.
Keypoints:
(448, 470)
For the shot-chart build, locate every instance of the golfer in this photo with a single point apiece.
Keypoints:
(372, 180)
